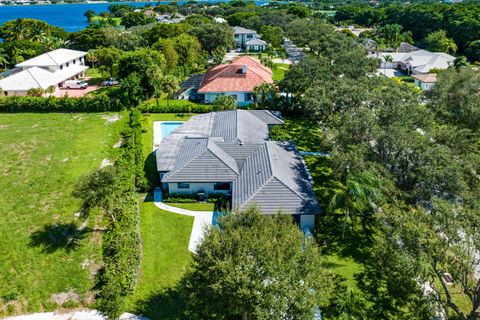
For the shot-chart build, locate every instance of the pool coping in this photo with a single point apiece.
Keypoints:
(157, 132)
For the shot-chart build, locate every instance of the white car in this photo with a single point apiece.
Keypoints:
(75, 84)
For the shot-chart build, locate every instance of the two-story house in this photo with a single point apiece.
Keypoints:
(47, 71)
(248, 39)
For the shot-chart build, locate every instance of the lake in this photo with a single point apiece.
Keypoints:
(67, 16)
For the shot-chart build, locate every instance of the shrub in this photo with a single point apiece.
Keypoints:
(98, 103)
(174, 106)
(10, 296)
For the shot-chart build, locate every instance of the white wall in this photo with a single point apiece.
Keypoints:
(195, 187)
(240, 96)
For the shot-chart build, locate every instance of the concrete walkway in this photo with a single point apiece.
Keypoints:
(202, 221)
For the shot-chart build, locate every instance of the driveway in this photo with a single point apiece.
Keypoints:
(75, 93)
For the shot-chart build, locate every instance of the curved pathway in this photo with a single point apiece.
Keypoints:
(202, 221)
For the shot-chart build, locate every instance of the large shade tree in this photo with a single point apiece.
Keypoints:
(256, 266)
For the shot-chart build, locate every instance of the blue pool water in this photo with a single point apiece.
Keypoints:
(168, 127)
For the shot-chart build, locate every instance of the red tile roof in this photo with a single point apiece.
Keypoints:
(229, 77)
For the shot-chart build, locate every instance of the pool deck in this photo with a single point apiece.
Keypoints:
(157, 132)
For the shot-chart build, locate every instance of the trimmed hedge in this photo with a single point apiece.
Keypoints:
(174, 106)
(121, 242)
(99, 103)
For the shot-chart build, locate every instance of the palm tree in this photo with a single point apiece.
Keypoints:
(3, 58)
(362, 189)
(388, 58)
(264, 91)
(170, 85)
(92, 57)
(460, 62)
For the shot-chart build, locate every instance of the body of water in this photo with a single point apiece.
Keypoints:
(67, 16)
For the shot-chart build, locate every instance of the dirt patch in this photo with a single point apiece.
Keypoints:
(62, 297)
(111, 118)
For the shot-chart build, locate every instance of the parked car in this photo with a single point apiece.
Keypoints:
(110, 82)
(75, 84)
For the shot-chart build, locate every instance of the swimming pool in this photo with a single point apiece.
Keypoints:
(168, 127)
(162, 129)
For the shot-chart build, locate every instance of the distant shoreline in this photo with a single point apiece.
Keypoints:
(100, 2)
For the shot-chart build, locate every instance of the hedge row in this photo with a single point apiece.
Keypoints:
(97, 103)
(174, 106)
(121, 252)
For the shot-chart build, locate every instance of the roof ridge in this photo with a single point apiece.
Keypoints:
(48, 54)
(273, 172)
(34, 79)
(189, 161)
(236, 170)
(259, 187)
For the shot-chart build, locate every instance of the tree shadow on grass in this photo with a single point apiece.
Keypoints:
(150, 170)
(53, 237)
(169, 304)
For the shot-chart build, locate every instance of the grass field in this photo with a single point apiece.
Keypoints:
(165, 238)
(44, 248)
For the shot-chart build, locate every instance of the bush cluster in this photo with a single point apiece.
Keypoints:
(175, 106)
(98, 103)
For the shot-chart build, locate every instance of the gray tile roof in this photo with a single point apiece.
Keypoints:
(244, 125)
(234, 147)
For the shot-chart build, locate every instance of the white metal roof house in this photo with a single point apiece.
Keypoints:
(230, 152)
(50, 69)
(415, 62)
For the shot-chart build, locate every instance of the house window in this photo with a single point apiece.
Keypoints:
(237, 36)
(183, 185)
(6, 93)
(74, 61)
(67, 64)
(249, 36)
(61, 67)
(248, 96)
(221, 186)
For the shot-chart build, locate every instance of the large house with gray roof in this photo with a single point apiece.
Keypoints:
(230, 152)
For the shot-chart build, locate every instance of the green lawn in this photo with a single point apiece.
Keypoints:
(42, 249)
(308, 136)
(165, 238)
(279, 71)
(114, 22)
(150, 161)
(194, 206)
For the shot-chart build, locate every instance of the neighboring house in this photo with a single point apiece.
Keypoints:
(415, 62)
(255, 45)
(219, 20)
(425, 81)
(294, 53)
(49, 70)
(237, 79)
(170, 18)
(230, 152)
(242, 36)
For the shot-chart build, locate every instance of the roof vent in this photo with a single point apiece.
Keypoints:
(244, 68)
(240, 142)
